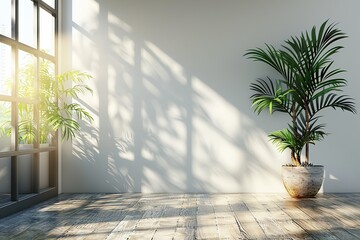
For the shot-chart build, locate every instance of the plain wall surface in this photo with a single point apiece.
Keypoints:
(171, 95)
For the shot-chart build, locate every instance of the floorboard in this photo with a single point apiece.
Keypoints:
(187, 216)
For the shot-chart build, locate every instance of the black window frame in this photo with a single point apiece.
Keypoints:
(37, 195)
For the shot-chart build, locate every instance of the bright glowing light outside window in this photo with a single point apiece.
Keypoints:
(5, 122)
(5, 18)
(5, 69)
(5, 51)
(26, 75)
(51, 3)
(27, 26)
(47, 32)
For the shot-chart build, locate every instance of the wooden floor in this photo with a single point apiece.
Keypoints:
(187, 216)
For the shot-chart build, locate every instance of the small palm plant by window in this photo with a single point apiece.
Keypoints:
(55, 111)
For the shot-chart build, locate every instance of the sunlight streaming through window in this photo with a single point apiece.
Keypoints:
(47, 32)
(5, 69)
(51, 3)
(27, 26)
(5, 18)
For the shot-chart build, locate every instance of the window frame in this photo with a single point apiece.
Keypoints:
(37, 195)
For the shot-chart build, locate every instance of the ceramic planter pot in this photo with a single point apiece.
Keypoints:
(303, 182)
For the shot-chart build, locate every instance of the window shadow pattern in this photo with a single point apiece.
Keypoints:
(164, 122)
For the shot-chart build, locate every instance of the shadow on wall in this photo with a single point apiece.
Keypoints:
(161, 125)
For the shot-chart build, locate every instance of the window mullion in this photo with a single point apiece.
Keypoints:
(14, 104)
(33, 49)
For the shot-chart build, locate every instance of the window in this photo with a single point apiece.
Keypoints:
(28, 64)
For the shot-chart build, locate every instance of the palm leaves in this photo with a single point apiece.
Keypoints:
(52, 98)
(308, 84)
(59, 114)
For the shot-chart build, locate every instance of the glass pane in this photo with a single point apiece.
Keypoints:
(47, 98)
(5, 176)
(47, 32)
(5, 126)
(27, 72)
(47, 101)
(51, 3)
(26, 124)
(27, 23)
(5, 69)
(5, 18)
(25, 170)
(44, 168)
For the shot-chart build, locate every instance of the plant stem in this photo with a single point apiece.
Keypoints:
(295, 158)
(307, 131)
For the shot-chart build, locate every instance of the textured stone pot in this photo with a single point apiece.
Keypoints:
(303, 182)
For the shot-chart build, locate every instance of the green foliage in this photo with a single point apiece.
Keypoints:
(52, 97)
(59, 114)
(308, 85)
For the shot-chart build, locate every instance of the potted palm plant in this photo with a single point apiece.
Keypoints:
(54, 112)
(307, 84)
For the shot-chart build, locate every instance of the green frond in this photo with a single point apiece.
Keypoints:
(283, 139)
(5, 128)
(332, 100)
(269, 95)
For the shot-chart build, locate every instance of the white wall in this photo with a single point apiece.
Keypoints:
(171, 95)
